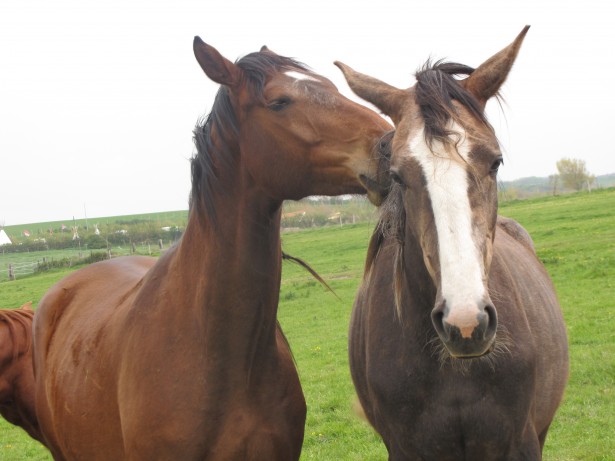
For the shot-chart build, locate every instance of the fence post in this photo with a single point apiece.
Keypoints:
(11, 273)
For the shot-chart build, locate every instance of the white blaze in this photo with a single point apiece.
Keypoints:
(460, 263)
(300, 76)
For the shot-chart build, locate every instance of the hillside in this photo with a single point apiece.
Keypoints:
(534, 185)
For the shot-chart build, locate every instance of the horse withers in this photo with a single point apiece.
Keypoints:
(182, 358)
(458, 348)
(16, 373)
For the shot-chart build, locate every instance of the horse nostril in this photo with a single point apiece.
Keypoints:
(492, 324)
(437, 319)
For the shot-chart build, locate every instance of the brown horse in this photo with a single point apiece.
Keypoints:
(458, 349)
(16, 373)
(182, 358)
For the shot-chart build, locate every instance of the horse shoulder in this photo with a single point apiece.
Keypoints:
(85, 299)
(76, 351)
(516, 231)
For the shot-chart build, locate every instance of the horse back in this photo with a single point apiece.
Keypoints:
(516, 231)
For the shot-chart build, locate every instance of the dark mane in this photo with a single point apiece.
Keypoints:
(23, 318)
(215, 136)
(436, 88)
(390, 228)
(392, 214)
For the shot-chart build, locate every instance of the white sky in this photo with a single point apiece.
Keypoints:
(98, 99)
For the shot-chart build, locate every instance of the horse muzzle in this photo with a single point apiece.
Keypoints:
(466, 331)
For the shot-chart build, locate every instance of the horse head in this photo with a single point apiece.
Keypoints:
(297, 134)
(445, 158)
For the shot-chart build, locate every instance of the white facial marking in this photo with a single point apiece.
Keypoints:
(460, 263)
(300, 76)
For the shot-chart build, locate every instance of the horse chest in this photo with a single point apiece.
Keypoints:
(436, 413)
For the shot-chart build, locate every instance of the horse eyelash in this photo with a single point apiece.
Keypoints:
(278, 104)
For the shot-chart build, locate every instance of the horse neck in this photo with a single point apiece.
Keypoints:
(20, 411)
(231, 267)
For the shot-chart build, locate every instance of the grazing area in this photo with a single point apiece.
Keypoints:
(574, 237)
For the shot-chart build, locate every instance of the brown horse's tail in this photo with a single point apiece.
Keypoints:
(307, 267)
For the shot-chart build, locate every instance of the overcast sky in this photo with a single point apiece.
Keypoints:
(98, 99)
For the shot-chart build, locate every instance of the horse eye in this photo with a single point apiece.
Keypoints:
(278, 104)
(495, 166)
(396, 178)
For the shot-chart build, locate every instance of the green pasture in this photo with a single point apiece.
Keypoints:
(574, 236)
(165, 218)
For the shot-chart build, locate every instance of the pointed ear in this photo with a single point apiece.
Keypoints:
(385, 97)
(216, 67)
(487, 79)
(27, 306)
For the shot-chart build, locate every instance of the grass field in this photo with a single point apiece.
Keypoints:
(574, 236)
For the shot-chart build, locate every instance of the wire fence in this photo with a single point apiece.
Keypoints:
(14, 271)
(22, 268)
(16, 266)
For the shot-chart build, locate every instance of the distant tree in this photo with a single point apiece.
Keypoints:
(590, 182)
(573, 173)
(553, 183)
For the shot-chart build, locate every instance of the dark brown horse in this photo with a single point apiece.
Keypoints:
(181, 358)
(16, 374)
(458, 348)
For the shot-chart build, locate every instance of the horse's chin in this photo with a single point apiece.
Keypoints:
(470, 357)
(474, 357)
(376, 192)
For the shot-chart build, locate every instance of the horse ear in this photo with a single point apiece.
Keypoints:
(385, 97)
(27, 306)
(487, 79)
(266, 49)
(216, 67)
